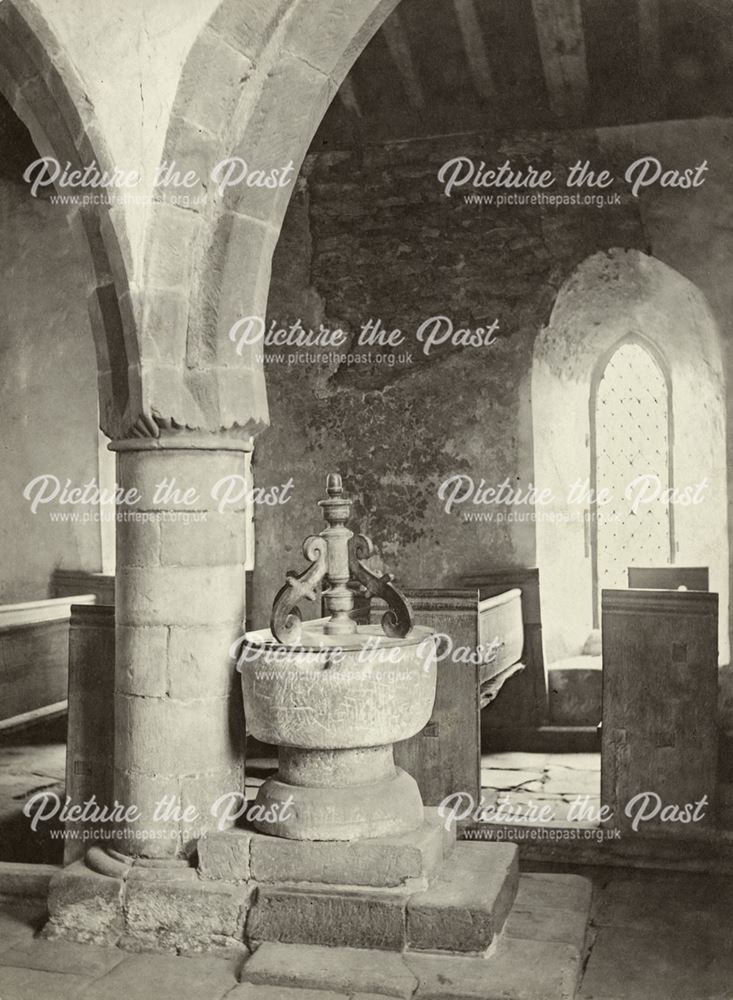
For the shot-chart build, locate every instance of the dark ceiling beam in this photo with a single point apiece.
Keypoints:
(398, 43)
(559, 26)
(475, 46)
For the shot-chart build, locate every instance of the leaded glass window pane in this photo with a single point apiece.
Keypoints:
(632, 440)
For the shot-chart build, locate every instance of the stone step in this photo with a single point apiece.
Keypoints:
(408, 859)
(461, 911)
(466, 906)
(341, 970)
(538, 956)
(329, 915)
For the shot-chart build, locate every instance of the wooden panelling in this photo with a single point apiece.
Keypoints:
(669, 577)
(520, 709)
(90, 746)
(34, 656)
(69, 582)
(660, 683)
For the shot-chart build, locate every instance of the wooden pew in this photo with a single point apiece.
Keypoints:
(660, 691)
(669, 577)
(520, 714)
(69, 582)
(34, 658)
(90, 742)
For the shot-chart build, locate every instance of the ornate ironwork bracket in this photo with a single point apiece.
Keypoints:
(397, 622)
(336, 555)
(286, 621)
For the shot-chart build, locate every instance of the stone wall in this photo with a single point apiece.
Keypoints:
(48, 392)
(370, 234)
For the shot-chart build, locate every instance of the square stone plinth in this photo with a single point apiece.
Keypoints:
(461, 911)
(329, 915)
(410, 859)
(85, 906)
(467, 904)
(540, 959)
(184, 914)
(149, 909)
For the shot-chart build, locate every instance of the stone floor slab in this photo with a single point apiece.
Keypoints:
(554, 891)
(66, 957)
(19, 922)
(674, 899)
(533, 919)
(493, 777)
(346, 970)
(575, 761)
(516, 970)
(564, 926)
(30, 984)
(163, 977)
(646, 965)
(250, 991)
(568, 781)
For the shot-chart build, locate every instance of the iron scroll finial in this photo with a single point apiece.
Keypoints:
(336, 556)
(397, 622)
(286, 621)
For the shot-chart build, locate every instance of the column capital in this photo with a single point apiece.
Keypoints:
(185, 441)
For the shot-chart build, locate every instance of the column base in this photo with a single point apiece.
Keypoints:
(146, 906)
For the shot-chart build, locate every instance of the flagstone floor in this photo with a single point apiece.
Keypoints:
(564, 785)
(31, 761)
(654, 936)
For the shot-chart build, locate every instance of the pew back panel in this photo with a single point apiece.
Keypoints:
(660, 679)
(514, 720)
(90, 742)
(34, 658)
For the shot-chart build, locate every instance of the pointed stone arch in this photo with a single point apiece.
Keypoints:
(255, 85)
(46, 93)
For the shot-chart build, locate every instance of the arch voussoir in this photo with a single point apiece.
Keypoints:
(216, 76)
(250, 26)
(333, 45)
(236, 284)
(275, 141)
(255, 87)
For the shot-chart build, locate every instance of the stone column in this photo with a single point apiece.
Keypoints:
(179, 724)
